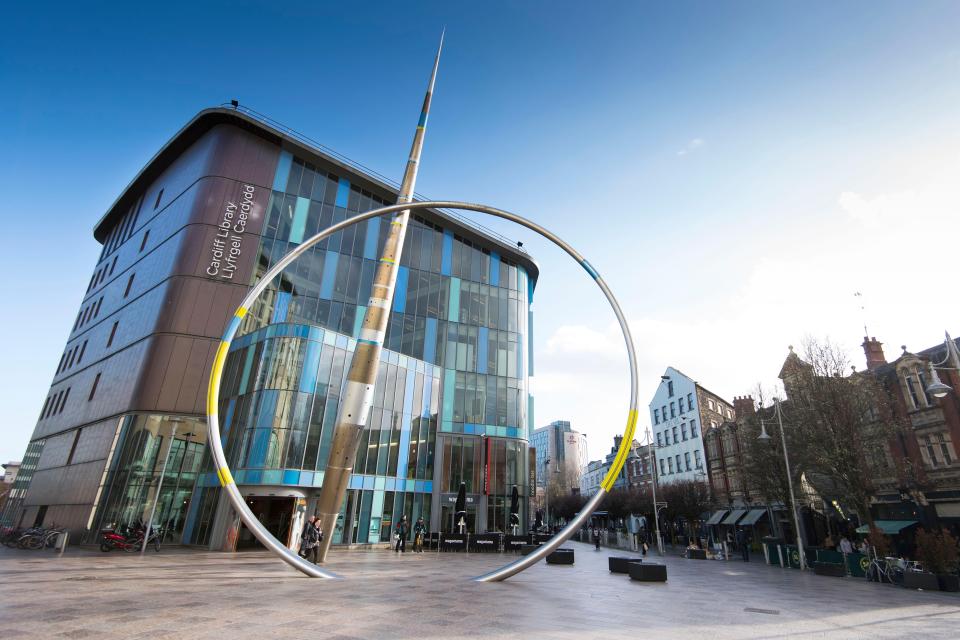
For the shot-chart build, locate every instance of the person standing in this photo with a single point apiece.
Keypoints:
(419, 532)
(743, 544)
(402, 529)
(596, 538)
(845, 545)
(828, 543)
(310, 540)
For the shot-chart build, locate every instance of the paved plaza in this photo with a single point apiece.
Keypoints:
(188, 594)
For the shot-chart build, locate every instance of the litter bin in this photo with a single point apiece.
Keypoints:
(791, 555)
(60, 544)
(857, 564)
(770, 545)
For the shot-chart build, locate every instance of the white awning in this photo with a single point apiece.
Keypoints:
(735, 515)
(717, 517)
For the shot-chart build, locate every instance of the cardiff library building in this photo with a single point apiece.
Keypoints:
(121, 434)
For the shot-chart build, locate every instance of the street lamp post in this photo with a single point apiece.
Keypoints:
(764, 436)
(546, 490)
(938, 389)
(656, 507)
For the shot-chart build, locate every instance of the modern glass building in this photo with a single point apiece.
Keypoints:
(121, 435)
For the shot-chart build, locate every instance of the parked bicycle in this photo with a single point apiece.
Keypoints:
(32, 538)
(130, 538)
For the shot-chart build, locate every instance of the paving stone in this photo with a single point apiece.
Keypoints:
(182, 593)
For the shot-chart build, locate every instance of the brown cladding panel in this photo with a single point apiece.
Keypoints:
(170, 387)
(192, 376)
(242, 155)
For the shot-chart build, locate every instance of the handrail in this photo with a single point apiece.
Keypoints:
(353, 164)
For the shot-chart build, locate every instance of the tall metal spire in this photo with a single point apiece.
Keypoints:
(358, 394)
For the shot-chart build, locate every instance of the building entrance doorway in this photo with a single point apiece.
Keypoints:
(276, 514)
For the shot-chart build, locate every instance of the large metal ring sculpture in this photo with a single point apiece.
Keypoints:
(213, 394)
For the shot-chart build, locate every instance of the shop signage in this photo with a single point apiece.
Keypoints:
(532, 465)
(228, 241)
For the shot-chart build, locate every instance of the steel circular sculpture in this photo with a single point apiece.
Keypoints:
(216, 374)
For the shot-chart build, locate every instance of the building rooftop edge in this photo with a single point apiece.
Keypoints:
(206, 119)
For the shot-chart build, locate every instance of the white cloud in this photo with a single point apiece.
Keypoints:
(691, 146)
(798, 280)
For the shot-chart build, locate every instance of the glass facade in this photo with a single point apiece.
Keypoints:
(451, 401)
(154, 471)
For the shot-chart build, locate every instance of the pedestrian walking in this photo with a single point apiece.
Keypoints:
(401, 531)
(310, 540)
(419, 532)
(644, 547)
(596, 538)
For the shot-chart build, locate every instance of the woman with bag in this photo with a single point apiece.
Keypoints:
(401, 534)
(310, 540)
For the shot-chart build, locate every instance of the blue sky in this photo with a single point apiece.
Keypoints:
(735, 170)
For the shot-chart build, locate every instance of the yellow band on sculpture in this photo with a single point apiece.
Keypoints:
(622, 454)
(224, 476)
(215, 373)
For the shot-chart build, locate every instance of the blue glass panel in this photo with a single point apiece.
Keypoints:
(329, 274)
(227, 421)
(453, 306)
(530, 341)
(299, 223)
(368, 482)
(428, 486)
(411, 485)
(408, 393)
(520, 355)
(446, 426)
(343, 192)
(400, 291)
(358, 321)
(281, 307)
(274, 476)
(482, 336)
(430, 340)
(424, 410)
(311, 362)
(404, 453)
(191, 517)
(449, 382)
(495, 268)
(318, 478)
(380, 483)
(446, 258)
(306, 478)
(283, 171)
(291, 476)
(356, 482)
(252, 477)
(370, 240)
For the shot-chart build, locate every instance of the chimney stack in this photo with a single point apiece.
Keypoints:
(874, 352)
(744, 406)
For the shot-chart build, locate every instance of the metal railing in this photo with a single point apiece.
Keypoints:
(356, 166)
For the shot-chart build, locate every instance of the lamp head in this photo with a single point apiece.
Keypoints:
(938, 389)
(764, 436)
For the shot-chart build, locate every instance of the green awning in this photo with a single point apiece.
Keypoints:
(735, 515)
(751, 518)
(717, 517)
(889, 527)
